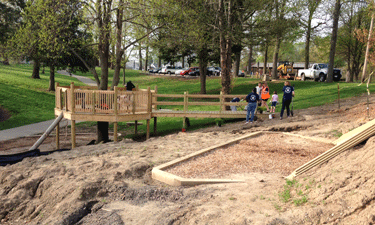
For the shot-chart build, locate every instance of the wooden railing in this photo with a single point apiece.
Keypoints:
(88, 100)
(198, 100)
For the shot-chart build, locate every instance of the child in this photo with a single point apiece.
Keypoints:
(274, 100)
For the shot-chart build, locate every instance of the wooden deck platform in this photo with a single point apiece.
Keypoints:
(119, 105)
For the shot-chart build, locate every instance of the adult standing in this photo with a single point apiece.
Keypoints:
(259, 88)
(287, 98)
(252, 100)
(265, 95)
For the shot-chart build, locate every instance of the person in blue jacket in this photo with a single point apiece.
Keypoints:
(287, 98)
(252, 100)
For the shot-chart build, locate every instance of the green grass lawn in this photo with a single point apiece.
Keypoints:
(29, 102)
(27, 99)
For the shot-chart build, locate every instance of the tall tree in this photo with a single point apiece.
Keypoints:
(350, 48)
(336, 16)
(10, 20)
(311, 7)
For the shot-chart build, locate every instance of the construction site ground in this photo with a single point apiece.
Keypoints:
(111, 183)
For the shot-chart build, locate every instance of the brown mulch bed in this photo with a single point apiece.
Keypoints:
(268, 153)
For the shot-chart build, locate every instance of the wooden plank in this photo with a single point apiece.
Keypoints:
(168, 103)
(169, 95)
(204, 103)
(203, 96)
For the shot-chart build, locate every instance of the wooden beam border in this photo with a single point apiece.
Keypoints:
(159, 174)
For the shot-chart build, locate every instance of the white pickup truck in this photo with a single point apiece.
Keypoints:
(318, 72)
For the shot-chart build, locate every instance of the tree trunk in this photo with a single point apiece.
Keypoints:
(236, 69)
(159, 62)
(102, 132)
(250, 59)
(146, 60)
(104, 24)
(119, 51)
(307, 45)
(140, 57)
(332, 52)
(265, 60)
(225, 45)
(348, 76)
(36, 68)
(203, 61)
(276, 57)
(51, 78)
(367, 49)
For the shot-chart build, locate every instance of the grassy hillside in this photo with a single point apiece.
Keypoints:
(29, 102)
(27, 99)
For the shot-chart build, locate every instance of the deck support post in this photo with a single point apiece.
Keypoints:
(115, 139)
(73, 130)
(148, 129)
(136, 127)
(155, 125)
(57, 136)
(72, 98)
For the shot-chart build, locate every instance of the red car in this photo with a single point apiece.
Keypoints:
(186, 72)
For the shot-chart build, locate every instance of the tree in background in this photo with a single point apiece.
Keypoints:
(10, 20)
(310, 7)
(349, 48)
(50, 28)
(336, 16)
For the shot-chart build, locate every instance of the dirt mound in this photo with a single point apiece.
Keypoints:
(111, 183)
(4, 114)
(342, 190)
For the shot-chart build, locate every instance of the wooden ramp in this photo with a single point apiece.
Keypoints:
(344, 143)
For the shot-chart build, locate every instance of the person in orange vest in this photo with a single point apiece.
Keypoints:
(265, 95)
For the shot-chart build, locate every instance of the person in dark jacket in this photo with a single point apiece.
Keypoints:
(129, 86)
(252, 100)
(287, 99)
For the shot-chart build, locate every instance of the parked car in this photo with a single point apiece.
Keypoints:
(241, 73)
(154, 70)
(186, 72)
(194, 72)
(170, 69)
(179, 71)
(213, 71)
